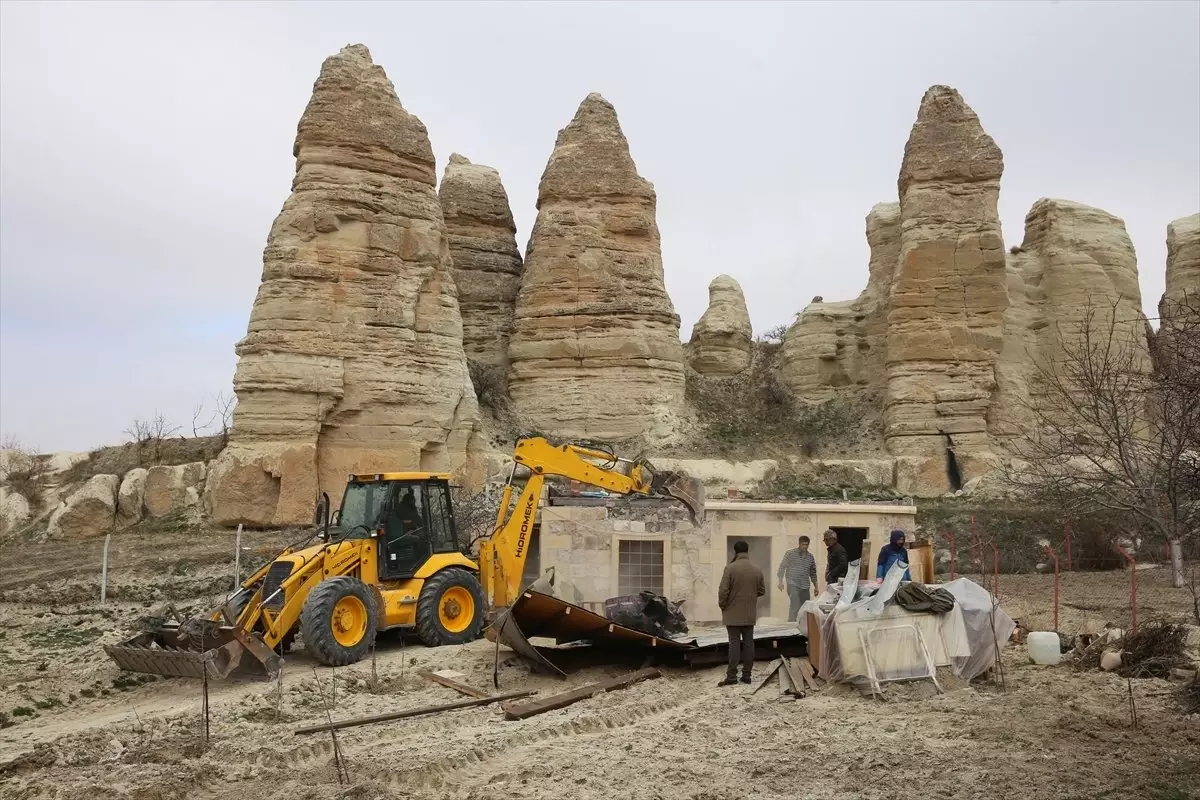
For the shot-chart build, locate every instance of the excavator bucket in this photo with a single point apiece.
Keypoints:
(187, 649)
(685, 489)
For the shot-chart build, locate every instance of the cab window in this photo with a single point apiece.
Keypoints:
(440, 524)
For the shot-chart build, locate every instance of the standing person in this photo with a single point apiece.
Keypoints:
(837, 562)
(742, 584)
(797, 571)
(890, 553)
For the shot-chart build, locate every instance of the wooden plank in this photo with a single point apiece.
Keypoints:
(763, 682)
(450, 683)
(786, 684)
(793, 674)
(563, 699)
(412, 712)
(806, 671)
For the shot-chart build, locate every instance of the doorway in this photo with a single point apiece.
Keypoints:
(760, 556)
(855, 542)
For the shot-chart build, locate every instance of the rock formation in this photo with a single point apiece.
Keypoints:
(1183, 263)
(353, 359)
(595, 348)
(1075, 260)
(949, 290)
(130, 497)
(720, 342)
(172, 489)
(487, 263)
(833, 348)
(89, 511)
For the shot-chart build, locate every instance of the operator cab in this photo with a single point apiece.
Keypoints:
(409, 513)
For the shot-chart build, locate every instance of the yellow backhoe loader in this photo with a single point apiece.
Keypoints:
(389, 558)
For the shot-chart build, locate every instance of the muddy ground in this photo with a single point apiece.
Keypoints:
(76, 727)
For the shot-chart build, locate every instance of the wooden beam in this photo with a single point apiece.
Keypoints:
(563, 699)
(412, 712)
(806, 671)
(450, 683)
(763, 682)
(793, 674)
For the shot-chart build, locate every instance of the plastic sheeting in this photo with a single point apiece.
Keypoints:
(965, 639)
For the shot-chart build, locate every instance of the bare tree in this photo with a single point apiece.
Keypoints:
(474, 513)
(150, 433)
(224, 414)
(1109, 430)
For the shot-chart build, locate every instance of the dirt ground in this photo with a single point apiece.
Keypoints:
(76, 727)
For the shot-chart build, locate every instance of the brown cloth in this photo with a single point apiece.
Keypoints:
(742, 584)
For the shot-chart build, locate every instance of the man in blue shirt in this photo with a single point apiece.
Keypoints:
(891, 553)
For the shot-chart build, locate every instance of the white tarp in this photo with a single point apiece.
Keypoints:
(963, 639)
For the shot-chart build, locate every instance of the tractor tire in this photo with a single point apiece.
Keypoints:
(338, 621)
(450, 608)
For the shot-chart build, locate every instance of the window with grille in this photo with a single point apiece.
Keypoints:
(639, 566)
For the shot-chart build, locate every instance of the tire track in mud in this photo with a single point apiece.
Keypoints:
(445, 772)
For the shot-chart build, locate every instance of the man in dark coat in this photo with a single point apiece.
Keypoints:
(836, 562)
(742, 584)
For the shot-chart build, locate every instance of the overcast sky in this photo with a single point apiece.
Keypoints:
(146, 148)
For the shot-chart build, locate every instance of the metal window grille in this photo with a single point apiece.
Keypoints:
(639, 566)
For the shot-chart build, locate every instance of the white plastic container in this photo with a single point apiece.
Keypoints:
(1044, 647)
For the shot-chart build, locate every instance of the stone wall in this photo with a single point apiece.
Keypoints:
(581, 543)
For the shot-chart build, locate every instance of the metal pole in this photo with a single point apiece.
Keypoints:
(1067, 531)
(1132, 587)
(237, 557)
(1054, 556)
(104, 570)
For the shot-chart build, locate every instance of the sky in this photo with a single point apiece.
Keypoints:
(145, 149)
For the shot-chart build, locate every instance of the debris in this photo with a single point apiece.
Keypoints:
(413, 712)
(563, 699)
(647, 612)
(1153, 650)
(1183, 674)
(447, 678)
(794, 676)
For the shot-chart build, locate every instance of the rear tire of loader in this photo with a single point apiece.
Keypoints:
(450, 608)
(338, 621)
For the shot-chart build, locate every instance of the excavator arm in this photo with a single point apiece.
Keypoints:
(502, 556)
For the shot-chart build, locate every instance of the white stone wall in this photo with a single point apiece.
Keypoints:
(580, 543)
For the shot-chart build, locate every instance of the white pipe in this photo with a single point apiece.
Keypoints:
(104, 569)
(237, 558)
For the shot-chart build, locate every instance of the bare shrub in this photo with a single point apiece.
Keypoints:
(147, 436)
(491, 386)
(753, 413)
(26, 472)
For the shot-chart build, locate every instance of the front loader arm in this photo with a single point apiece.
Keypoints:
(502, 557)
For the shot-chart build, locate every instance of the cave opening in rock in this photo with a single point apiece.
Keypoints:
(953, 473)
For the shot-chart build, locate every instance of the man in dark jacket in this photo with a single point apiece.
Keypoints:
(742, 584)
(836, 562)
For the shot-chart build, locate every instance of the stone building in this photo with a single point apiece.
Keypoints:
(608, 548)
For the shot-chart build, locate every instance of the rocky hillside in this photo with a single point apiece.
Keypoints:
(398, 325)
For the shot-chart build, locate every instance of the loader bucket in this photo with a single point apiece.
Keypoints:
(188, 649)
(685, 489)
